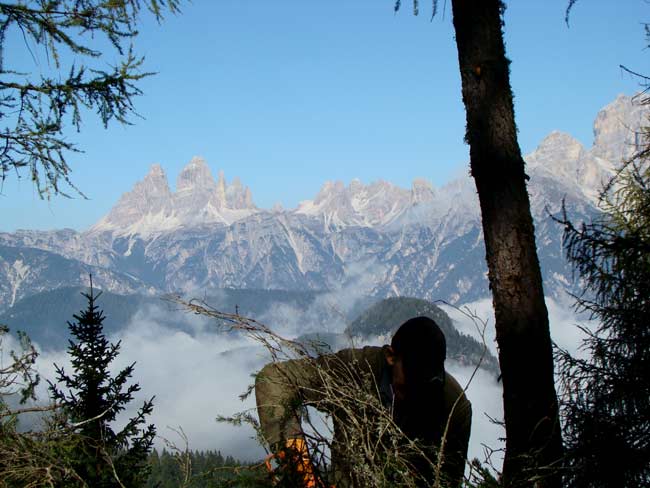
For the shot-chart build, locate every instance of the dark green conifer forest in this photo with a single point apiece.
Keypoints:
(200, 469)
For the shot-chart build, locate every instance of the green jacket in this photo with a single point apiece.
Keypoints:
(282, 388)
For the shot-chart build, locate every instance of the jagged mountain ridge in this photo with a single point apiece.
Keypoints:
(374, 239)
(151, 206)
(200, 200)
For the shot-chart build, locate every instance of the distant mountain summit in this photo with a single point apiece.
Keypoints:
(616, 138)
(617, 127)
(367, 239)
(357, 204)
(151, 206)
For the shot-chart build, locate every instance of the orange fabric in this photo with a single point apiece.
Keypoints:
(302, 462)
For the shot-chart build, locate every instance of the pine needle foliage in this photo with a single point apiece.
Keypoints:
(606, 405)
(91, 398)
(35, 108)
(19, 376)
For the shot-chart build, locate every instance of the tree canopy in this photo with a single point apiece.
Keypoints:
(38, 107)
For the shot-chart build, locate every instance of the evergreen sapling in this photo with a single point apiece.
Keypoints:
(91, 399)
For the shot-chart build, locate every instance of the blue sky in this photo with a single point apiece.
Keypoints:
(287, 94)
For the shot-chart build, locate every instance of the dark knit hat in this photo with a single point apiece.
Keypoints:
(422, 347)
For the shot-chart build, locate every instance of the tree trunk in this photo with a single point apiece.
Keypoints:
(533, 442)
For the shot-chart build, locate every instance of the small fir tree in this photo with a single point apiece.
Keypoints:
(91, 398)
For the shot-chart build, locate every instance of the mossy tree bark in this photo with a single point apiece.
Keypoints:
(533, 442)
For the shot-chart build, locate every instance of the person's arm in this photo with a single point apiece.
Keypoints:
(283, 388)
(280, 391)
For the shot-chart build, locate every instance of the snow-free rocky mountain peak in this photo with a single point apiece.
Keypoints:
(616, 129)
(151, 207)
(357, 204)
(374, 239)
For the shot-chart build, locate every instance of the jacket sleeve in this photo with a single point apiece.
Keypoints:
(282, 389)
(280, 393)
(457, 439)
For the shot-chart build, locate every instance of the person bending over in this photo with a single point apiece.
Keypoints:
(409, 382)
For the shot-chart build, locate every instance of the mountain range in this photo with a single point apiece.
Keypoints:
(367, 240)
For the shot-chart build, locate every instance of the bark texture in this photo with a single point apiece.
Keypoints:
(533, 443)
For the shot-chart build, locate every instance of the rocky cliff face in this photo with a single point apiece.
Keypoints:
(26, 271)
(150, 207)
(617, 137)
(374, 205)
(147, 206)
(617, 126)
(369, 239)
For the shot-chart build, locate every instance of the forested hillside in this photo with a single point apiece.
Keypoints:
(383, 319)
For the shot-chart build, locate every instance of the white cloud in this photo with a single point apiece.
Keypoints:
(328, 312)
(486, 396)
(194, 378)
(563, 322)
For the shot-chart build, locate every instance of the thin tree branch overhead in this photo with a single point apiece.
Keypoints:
(37, 110)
